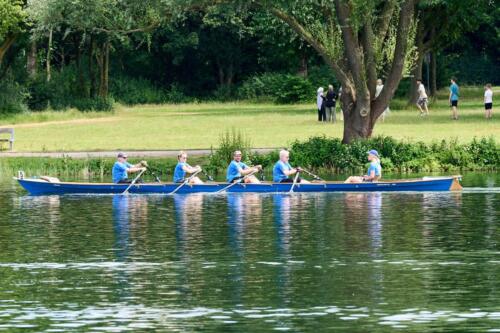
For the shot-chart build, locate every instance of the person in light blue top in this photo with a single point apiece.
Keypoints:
(240, 172)
(283, 170)
(182, 168)
(122, 168)
(374, 170)
(454, 93)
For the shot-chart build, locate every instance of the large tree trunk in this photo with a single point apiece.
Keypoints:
(416, 74)
(5, 46)
(103, 61)
(92, 76)
(31, 59)
(433, 74)
(49, 55)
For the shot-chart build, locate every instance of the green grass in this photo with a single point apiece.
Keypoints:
(200, 125)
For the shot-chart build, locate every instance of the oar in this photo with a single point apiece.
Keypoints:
(294, 181)
(210, 178)
(313, 175)
(133, 182)
(236, 182)
(185, 182)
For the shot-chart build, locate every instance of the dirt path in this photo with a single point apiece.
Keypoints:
(111, 154)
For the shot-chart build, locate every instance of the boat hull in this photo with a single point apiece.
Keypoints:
(41, 187)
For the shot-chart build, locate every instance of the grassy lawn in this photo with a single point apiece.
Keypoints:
(200, 125)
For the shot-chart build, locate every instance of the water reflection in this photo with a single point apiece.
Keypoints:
(299, 262)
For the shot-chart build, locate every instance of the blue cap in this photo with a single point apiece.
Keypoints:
(373, 152)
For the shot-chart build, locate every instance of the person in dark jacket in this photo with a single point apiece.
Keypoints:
(330, 100)
(320, 103)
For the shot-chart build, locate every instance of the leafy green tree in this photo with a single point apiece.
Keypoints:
(12, 23)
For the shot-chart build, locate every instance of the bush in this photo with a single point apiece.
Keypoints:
(228, 143)
(319, 152)
(93, 104)
(279, 88)
(132, 91)
(12, 98)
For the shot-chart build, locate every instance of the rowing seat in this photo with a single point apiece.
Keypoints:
(50, 179)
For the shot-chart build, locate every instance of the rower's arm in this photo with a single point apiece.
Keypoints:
(290, 172)
(370, 176)
(190, 169)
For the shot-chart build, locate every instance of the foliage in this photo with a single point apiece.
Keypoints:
(229, 142)
(12, 98)
(280, 88)
(13, 16)
(323, 152)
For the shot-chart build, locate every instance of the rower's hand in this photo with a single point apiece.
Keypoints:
(144, 164)
(143, 169)
(198, 168)
(299, 169)
(259, 167)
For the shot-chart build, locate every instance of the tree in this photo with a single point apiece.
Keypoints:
(12, 22)
(360, 40)
(440, 24)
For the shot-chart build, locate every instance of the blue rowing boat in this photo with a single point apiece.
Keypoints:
(47, 185)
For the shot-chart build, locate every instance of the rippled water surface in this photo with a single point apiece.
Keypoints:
(341, 262)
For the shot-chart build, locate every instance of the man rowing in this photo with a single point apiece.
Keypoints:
(122, 168)
(283, 170)
(182, 168)
(240, 172)
(374, 170)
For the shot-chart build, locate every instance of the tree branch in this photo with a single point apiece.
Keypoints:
(384, 19)
(5, 46)
(309, 38)
(352, 51)
(148, 28)
(395, 74)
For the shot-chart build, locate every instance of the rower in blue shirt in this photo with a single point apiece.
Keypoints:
(182, 168)
(283, 170)
(374, 170)
(239, 171)
(122, 168)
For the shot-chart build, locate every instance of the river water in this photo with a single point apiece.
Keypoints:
(345, 262)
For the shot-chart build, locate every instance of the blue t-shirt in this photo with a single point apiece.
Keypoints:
(279, 171)
(119, 171)
(179, 173)
(233, 170)
(454, 92)
(375, 166)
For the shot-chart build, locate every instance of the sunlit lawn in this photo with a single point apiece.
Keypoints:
(159, 127)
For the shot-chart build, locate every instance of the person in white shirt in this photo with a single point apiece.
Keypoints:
(422, 98)
(378, 90)
(488, 101)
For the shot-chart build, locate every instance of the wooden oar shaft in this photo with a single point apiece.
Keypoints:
(236, 182)
(133, 181)
(185, 182)
(295, 181)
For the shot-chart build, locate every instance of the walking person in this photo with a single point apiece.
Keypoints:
(378, 90)
(320, 102)
(330, 101)
(488, 101)
(454, 92)
(422, 100)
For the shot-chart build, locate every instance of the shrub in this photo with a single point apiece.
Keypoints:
(279, 88)
(93, 104)
(12, 98)
(132, 91)
(228, 143)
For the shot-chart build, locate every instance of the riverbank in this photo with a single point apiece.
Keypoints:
(199, 126)
(322, 154)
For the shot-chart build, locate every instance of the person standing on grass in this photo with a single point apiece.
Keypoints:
(330, 101)
(422, 100)
(488, 101)
(378, 90)
(320, 102)
(183, 167)
(122, 168)
(454, 92)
